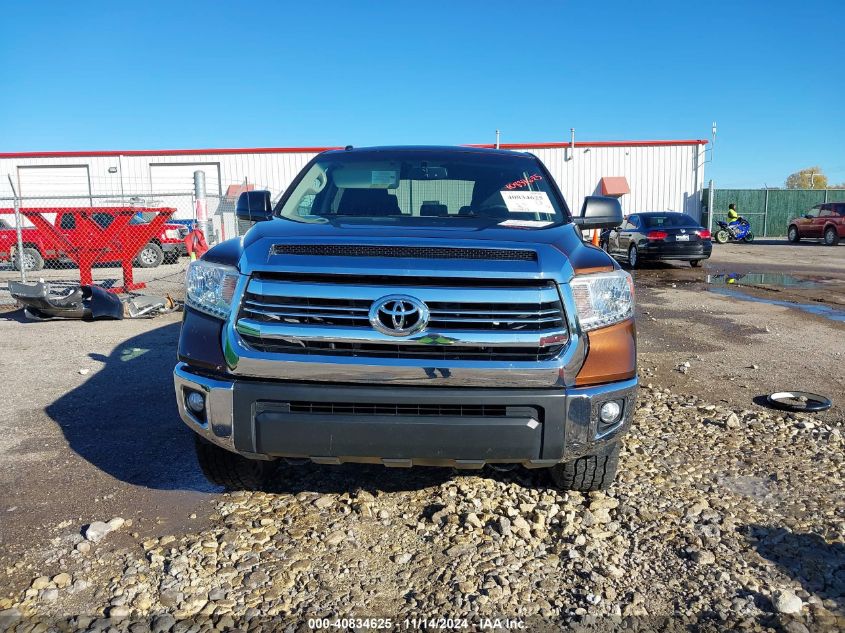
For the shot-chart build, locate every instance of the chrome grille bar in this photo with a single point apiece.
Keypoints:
(323, 318)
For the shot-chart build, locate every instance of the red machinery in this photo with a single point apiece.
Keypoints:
(89, 242)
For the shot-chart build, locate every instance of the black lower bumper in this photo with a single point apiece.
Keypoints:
(462, 427)
(174, 247)
(423, 425)
(685, 251)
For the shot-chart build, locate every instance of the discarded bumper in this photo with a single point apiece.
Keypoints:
(88, 303)
(80, 302)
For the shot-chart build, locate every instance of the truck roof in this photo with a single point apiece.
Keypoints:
(439, 149)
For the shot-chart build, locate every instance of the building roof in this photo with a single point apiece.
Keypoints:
(314, 150)
(233, 191)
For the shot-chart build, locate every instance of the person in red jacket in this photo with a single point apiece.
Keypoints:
(195, 243)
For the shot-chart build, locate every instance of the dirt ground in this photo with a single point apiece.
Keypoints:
(754, 319)
(89, 430)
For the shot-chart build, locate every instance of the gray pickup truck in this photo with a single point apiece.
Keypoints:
(411, 306)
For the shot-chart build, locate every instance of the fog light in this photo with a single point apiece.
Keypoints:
(610, 412)
(195, 402)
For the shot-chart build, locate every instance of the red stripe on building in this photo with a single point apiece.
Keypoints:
(316, 150)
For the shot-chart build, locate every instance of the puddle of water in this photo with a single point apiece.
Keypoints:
(818, 309)
(765, 279)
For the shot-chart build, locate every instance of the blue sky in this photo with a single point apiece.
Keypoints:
(138, 75)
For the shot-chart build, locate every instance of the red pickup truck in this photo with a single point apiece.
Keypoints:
(39, 247)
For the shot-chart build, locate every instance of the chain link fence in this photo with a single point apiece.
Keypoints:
(128, 243)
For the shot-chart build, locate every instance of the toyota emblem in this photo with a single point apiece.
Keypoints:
(398, 315)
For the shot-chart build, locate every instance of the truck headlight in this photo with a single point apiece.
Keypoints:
(172, 234)
(210, 287)
(603, 299)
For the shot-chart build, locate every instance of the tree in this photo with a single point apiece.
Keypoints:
(809, 178)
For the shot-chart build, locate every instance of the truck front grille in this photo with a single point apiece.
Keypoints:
(467, 321)
(445, 316)
(386, 408)
(415, 252)
(386, 350)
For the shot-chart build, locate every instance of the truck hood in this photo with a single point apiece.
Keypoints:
(488, 252)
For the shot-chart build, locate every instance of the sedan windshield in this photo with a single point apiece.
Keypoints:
(425, 187)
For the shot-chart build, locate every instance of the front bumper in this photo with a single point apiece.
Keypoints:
(174, 247)
(402, 426)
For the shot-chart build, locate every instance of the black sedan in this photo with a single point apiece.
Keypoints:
(658, 236)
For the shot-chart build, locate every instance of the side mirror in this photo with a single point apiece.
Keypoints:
(254, 206)
(599, 212)
(808, 216)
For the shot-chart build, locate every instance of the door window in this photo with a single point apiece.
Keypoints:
(103, 219)
(68, 222)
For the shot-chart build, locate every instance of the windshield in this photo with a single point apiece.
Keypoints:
(670, 220)
(425, 187)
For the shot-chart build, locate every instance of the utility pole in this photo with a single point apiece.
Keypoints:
(18, 233)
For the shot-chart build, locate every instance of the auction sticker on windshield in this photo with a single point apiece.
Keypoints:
(528, 202)
(526, 224)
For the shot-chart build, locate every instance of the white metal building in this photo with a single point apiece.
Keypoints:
(663, 175)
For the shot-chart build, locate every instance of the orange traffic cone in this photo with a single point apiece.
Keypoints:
(595, 239)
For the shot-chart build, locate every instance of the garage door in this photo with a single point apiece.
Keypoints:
(54, 180)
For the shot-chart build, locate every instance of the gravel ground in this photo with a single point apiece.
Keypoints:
(719, 518)
(725, 515)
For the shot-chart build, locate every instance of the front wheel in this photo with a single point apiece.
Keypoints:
(633, 257)
(588, 473)
(749, 237)
(150, 256)
(831, 237)
(792, 235)
(722, 236)
(30, 259)
(230, 470)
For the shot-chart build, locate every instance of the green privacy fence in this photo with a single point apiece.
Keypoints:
(768, 210)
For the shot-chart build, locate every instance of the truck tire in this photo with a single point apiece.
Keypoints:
(793, 234)
(227, 469)
(150, 256)
(831, 237)
(32, 259)
(588, 473)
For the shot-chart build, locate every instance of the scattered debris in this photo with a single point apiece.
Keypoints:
(89, 303)
(801, 401)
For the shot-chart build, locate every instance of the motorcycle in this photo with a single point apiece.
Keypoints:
(737, 231)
